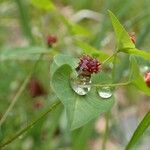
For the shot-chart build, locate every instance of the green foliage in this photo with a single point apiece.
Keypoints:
(61, 60)
(124, 43)
(144, 124)
(122, 37)
(73, 28)
(137, 79)
(80, 109)
(24, 19)
(137, 52)
(44, 4)
(90, 50)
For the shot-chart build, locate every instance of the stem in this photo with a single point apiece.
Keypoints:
(18, 94)
(15, 99)
(53, 106)
(107, 115)
(114, 67)
(113, 84)
(106, 60)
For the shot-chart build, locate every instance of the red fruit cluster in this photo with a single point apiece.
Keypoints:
(132, 37)
(35, 88)
(51, 40)
(88, 66)
(147, 78)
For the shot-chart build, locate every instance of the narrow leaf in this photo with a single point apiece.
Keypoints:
(43, 4)
(137, 79)
(123, 39)
(145, 123)
(90, 50)
(137, 52)
(22, 53)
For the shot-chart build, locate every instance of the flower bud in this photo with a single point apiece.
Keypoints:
(88, 66)
(132, 37)
(51, 40)
(35, 88)
(147, 78)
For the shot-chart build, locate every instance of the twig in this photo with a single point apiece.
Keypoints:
(18, 94)
(112, 85)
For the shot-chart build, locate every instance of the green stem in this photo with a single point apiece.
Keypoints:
(112, 85)
(106, 60)
(18, 94)
(30, 125)
(107, 115)
(24, 20)
(15, 99)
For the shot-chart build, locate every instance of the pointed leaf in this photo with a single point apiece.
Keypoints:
(137, 79)
(123, 39)
(22, 53)
(145, 123)
(137, 52)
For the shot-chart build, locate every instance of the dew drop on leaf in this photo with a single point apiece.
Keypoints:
(105, 92)
(144, 69)
(81, 85)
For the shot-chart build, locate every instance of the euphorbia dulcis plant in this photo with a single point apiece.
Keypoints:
(98, 98)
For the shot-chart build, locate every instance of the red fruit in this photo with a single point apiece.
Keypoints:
(88, 65)
(51, 40)
(132, 37)
(147, 78)
(35, 88)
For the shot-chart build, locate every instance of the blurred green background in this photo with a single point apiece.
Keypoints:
(24, 27)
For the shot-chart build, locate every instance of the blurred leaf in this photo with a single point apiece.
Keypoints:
(74, 28)
(90, 50)
(24, 19)
(137, 79)
(82, 136)
(145, 123)
(123, 39)
(78, 29)
(80, 109)
(43, 4)
(137, 52)
(22, 52)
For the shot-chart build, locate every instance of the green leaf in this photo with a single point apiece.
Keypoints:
(24, 19)
(73, 28)
(123, 39)
(137, 52)
(137, 79)
(78, 29)
(88, 49)
(22, 52)
(80, 109)
(43, 4)
(145, 123)
(62, 59)
(81, 136)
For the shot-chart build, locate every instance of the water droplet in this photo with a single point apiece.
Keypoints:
(105, 92)
(81, 85)
(144, 69)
